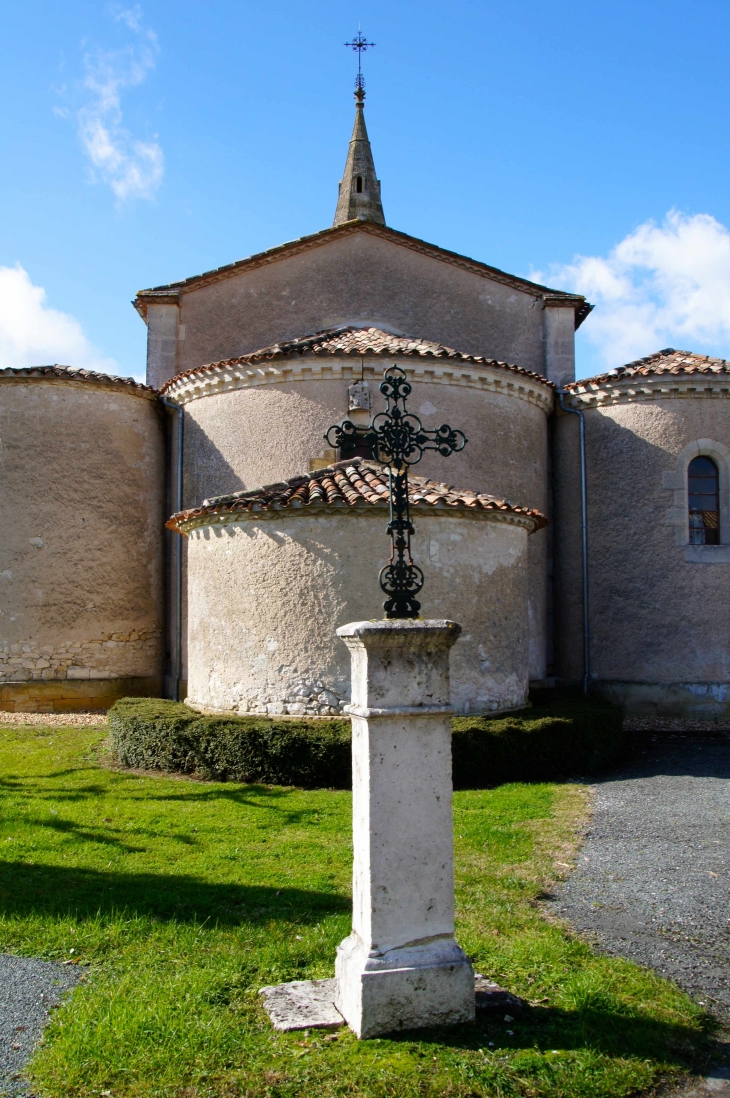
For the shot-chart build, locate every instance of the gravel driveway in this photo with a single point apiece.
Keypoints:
(28, 990)
(652, 881)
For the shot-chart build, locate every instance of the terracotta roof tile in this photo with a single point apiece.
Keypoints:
(357, 342)
(353, 483)
(667, 361)
(72, 372)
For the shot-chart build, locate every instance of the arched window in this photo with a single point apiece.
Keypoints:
(358, 185)
(704, 502)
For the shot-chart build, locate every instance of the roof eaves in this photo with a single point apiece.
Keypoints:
(310, 345)
(73, 373)
(669, 360)
(352, 483)
(170, 291)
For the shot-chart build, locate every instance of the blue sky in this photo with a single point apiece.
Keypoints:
(585, 144)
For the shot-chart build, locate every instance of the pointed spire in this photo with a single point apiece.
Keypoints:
(360, 188)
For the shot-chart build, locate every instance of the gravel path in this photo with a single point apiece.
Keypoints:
(28, 990)
(652, 881)
(55, 720)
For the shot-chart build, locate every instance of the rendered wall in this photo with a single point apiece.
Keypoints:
(363, 280)
(659, 608)
(266, 596)
(246, 437)
(81, 512)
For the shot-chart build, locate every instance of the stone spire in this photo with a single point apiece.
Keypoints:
(360, 189)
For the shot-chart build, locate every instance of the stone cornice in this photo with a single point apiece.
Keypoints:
(360, 510)
(593, 394)
(496, 379)
(69, 377)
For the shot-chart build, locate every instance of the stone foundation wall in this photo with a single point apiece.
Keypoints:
(68, 696)
(292, 697)
(708, 701)
(109, 656)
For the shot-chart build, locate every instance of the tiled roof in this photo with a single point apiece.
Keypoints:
(356, 342)
(72, 373)
(171, 290)
(353, 483)
(667, 361)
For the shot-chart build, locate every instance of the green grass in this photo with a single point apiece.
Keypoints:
(181, 899)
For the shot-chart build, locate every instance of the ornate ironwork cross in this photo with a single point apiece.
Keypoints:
(360, 44)
(398, 439)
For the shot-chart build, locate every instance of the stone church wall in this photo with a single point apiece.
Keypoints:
(362, 280)
(81, 510)
(659, 608)
(249, 434)
(267, 593)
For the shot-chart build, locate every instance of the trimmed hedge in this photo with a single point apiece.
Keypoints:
(162, 735)
(572, 735)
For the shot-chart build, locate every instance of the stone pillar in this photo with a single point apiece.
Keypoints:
(162, 333)
(559, 332)
(400, 968)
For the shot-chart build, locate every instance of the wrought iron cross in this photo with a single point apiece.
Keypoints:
(360, 44)
(399, 439)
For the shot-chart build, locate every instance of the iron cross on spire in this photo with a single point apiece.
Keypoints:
(399, 439)
(360, 44)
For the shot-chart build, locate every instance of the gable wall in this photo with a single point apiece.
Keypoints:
(356, 279)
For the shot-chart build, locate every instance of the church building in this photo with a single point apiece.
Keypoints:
(197, 537)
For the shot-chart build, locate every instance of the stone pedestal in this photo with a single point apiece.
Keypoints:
(401, 968)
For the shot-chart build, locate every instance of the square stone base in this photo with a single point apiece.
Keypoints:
(410, 988)
(310, 1004)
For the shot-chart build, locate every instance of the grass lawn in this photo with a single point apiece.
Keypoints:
(183, 898)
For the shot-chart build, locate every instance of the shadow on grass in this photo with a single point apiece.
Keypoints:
(27, 889)
(133, 787)
(616, 1032)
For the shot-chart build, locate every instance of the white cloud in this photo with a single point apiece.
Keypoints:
(132, 168)
(663, 285)
(33, 334)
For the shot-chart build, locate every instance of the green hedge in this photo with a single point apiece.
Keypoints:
(164, 735)
(571, 736)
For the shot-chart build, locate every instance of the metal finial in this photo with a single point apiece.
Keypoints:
(360, 44)
(397, 438)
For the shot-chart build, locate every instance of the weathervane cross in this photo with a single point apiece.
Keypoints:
(360, 44)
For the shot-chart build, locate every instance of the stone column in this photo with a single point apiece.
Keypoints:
(400, 968)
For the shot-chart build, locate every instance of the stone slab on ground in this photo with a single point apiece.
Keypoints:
(310, 1004)
(490, 998)
(29, 989)
(302, 1004)
(653, 878)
